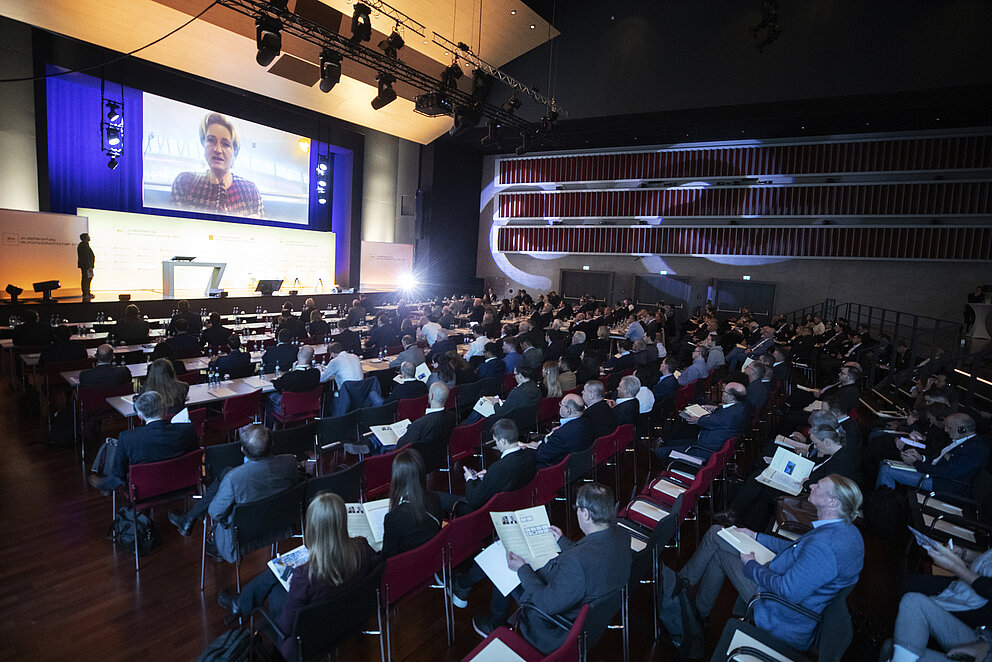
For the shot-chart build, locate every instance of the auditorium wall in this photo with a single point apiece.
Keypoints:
(390, 174)
(18, 155)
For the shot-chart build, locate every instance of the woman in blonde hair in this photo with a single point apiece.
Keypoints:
(161, 378)
(337, 562)
(549, 377)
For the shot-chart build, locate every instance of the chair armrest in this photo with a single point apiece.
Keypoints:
(953, 499)
(700, 448)
(268, 619)
(679, 464)
(559, 621)
(799, 609)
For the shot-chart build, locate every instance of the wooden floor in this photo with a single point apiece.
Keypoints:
(67, 593)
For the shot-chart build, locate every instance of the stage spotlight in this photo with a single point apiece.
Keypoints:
(113, 135)
(511, 104)
(524, 143)
(113, 114)
(14, 291)
(466, 117)
(113, 162)
(46, 287)
(492, 137)
(451, 74)
(386, 92)
(408, 282)
(361, 23)
(330, 69)
(391, 44)
(268, 39)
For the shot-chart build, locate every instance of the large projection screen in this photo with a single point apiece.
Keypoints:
(36, 246)
(130, 249)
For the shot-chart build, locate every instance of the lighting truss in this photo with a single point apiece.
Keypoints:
(323, 38)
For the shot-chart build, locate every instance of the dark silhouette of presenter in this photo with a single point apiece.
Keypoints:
(85, 260)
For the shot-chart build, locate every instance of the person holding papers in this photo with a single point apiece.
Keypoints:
(335, 564)
(415, 514)
(808, 572)
(430, 433)
(951, 471)
(409, 386)
(594, 567)
(524, 397)
(715, 428)
(573, 433)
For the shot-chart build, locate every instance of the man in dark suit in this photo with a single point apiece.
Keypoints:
(493, 364)
(131, 330)
(350, 340)
(287, 320)
(104, 373)
(283, 354)
(383, 335)
(410, 353)
(184, 345)
(235, 363)
(759, 387)
(722, 423)
(85, 261)
(356, 314)
(216, 334)
(301, 379)
(430, 433)
(597, 409)
(31, 332)
(442, 345)
(410, 387)
(193, 322)
(845, 390)
(627, 407)
(574, 433)
(626, 359)
(781, 365)
(596, 566)
(157, 440)
(520, 404)
(63, 349)
(514, 469)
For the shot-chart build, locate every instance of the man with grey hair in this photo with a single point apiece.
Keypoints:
(597, 410)
(713, 430)
(627, 406)
(430, 433)
(410, 353)
(156, 440)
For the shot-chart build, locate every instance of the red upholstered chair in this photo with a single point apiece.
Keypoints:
(548, 482)
(547, 411)
(376, 473)
(411, 408)
(93, 405)
(154, 483)
(568, 651)
(509, 381)
(237, 412)
(298, 406)
(464, 442)
(683, 398)
(198, 417)
(468, 533)
(192, 377)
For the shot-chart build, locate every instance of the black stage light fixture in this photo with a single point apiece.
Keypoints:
(14, 291)
(391, 44)
(268, 39)
(361, 23)
(386, 92)
(46, 287)
(511, 104)
(113, 134)
(113, 162)
(330, 69)
(492, 137)
(466, 117)
(432, 104)
(451, 74)
(113, 112)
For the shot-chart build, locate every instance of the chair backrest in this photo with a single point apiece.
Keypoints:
(516, 499)
(337, 428)
(547, 410)
(52, 370)
(93, 399)
(320, 627)
(192, 377)
(452, 401)
(414, 569)
(492, 385)
(411, 408)
(580, 463)
(836, 630)
(154, 479)
(465, 439)
(346, 483)
(742, 641)
(660, 536)
(469, 394)
(382, 415)
(622, 436)
(376, 473)
(241, 409)
(683, 397)
(602, 448)
(266, 521)
(569, 650)
(218, 457)
(198, 417)
(601, 612)
(509, 381)
(297, 441)
(301, 405)
(548, 481)
(467, 533)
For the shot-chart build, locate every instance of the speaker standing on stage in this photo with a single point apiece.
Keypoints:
(85, 260)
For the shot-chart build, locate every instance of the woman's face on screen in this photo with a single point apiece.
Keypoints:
(218, 149)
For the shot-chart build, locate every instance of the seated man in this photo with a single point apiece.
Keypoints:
(478, 345)
(104, 373)
(31, 332)
(184, 345)
(410, 387)
(382, 336)
(845, 389)
(193, 321)
(625, 359)
(156, 440)
(759, 386)
(759, 346)
(410, 353)
(131, 330)
(514, 469)
(441, 345)
(597, 409)
(301, 379)
(430, 433)
(627, 407)
(522, 398)
(808, 572)
(348, 339)
(574, 433)
(342, 367)
(531, 355)
(356, 314)
(216, 334)
(63, 349)
(235, 363)
(492, 364)
(592, 568)
(722, 423)
(290, 322)
(511, 353)
(667, 386)
(697, 369)
(952, 470)
(262, 475)
(280, 355)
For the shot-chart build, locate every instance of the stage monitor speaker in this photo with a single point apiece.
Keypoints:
(14, 291)
(46, 287)
(123, 297)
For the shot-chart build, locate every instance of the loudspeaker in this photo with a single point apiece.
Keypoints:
(123, 297)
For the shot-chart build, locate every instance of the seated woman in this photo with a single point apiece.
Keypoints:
(336, 563)
(163, 350)
(415, 514)
(550, 383)
(162, 379)
(947, 617)
(317, 327)
(444, 372)
(464, 373)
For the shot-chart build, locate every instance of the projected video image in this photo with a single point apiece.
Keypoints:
(202, 161)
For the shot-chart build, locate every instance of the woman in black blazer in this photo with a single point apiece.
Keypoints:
(414, 513)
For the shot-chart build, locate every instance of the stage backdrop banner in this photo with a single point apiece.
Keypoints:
(130, 249)
(385, 265)
(37, 246)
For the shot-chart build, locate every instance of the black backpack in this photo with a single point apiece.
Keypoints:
(126, 526)
(678, 614)
(232, 646)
